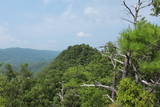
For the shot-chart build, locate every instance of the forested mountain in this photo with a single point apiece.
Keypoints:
(73, 56)
(125, 73)
(35, 58)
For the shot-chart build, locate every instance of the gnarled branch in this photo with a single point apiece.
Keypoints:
(100, 85)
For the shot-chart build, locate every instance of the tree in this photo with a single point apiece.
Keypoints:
(156, 7)
(24, 71)
(93, 97)
(135, 10)
(143, 45)
(136, 56)
(9, 72)
(71, 98)
(131, 94)
(3, 82)
(74, 56)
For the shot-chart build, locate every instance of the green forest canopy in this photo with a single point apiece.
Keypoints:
(125, 73)
(37, 59)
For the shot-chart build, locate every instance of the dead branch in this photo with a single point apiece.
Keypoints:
(134, 11)
(110, 98)
(146, 83)
(127, 20)
(129, 9)
(99, 85)
(118, 61)
(150, 84)
(147, 5)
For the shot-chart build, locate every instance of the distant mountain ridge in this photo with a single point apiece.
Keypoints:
(17, 56)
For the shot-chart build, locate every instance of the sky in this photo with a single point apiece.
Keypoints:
(57, 24)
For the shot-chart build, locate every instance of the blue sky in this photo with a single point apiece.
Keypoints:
(56, 24)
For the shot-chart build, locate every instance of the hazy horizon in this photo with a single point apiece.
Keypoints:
(31, 49)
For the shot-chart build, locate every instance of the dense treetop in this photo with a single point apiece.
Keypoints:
(73, 56)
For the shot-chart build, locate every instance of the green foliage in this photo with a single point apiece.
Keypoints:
(40, 93)
(3, 81)
(101, 72)
(71, 99)
(60, 83)
(77, 74)
(77, 65)
(131, 94)
(143, 44)
(37, 59)
(2, 101)
(9, 72)
(93, 97)
(45, 89)
(14, 86)
(143, 40)
(73, 56)
(156, 7)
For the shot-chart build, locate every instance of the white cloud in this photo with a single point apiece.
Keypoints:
(90, 11)
(96, 14)
(83, 34)
(96, 18)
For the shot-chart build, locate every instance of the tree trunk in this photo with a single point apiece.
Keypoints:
(126, 65)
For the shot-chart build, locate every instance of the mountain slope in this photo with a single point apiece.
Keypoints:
(73, 56)
(35, 58)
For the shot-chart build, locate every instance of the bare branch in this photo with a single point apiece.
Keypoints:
(139, 2)
(61, 97)
(110, 98)
(61, 93)
(127, 7)
(127, 20)
(146, 83)
(151, 84)
(147, 5)
(156, 83)
(151, 80)
(118, 61)
(122, 55)
(134, 11)
(113, 63)
(99, 85)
